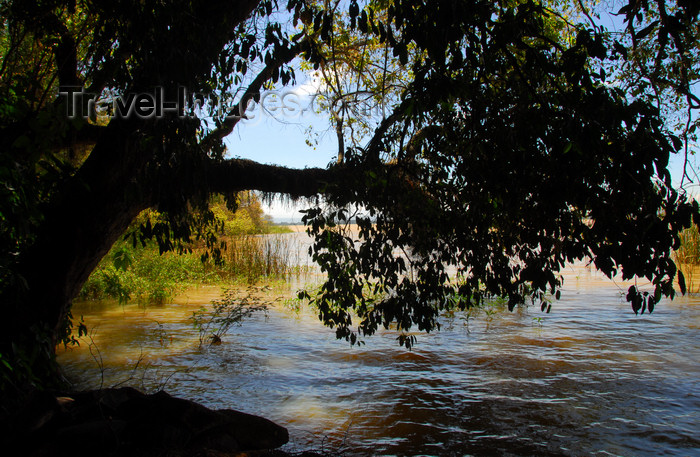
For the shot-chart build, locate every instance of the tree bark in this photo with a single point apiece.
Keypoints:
(235, 175)
(80, 224)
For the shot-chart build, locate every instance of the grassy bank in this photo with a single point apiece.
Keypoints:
(141, 274)
(254, 249)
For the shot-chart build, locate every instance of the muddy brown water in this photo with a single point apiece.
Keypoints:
(588, 379)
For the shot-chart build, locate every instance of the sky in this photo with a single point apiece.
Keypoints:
(281, 139)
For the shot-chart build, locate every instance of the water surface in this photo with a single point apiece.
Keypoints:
(588, 379)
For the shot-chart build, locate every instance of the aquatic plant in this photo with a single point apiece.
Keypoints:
(231, 309)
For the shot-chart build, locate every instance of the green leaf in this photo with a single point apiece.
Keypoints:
(122, 259)
(681, 282)
(646, 30)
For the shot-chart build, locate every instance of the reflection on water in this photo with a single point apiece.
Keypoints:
(591, 378)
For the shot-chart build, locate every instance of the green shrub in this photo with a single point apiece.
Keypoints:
(230, 310)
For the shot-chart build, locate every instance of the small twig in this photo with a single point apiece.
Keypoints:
(585, 12)
(133, 371)
(100, 362)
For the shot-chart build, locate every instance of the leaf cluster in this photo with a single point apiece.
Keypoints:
(508, 156)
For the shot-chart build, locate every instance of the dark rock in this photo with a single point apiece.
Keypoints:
(254, 432)
(124, 421)
(93, 434)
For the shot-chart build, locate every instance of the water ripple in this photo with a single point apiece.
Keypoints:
(589, 379)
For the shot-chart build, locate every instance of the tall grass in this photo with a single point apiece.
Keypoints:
(256, 257)
(688, 258)
(689, 252)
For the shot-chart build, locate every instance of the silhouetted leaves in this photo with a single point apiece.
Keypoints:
(508, 148)
(532, 162)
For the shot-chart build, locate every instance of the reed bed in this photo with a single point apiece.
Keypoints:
(687, 258)
(258, 257)
(142, 275)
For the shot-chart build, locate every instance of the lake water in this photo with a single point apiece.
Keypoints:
(588, 379)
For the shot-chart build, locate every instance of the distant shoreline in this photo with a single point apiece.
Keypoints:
(301, 228)
(296, 228)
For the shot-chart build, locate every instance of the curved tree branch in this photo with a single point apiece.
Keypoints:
(253, 90)
(234, 175)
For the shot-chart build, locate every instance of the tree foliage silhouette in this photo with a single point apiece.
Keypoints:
(508, 145)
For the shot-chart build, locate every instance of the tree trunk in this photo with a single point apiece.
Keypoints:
(95, 207)
(80, 225)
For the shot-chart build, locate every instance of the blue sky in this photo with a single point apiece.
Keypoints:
(271, 141)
